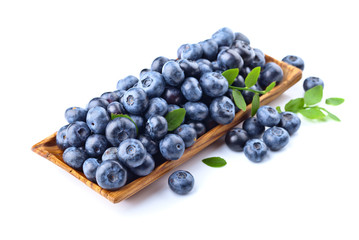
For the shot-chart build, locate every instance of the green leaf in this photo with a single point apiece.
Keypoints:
(313, 95)
(239, 100)
(278, 109)
(175, 118)
(231, 75)
(312, 113)
(214, 161)
(113, 116)
(270, 87)
(252, 77)
(332, 116)
(334, 101)
(294, 105)
(255, 104)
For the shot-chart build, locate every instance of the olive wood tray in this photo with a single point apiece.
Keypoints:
(47, 148)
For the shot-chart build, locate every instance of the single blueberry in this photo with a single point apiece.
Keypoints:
(222, 110)
(153, 84)
(74, 157)
(248, 95)
(156, 127)
(199, 127)
(245, 51)
(119, 129)
(190, 68)
(139, 121)
(110, 96)
(311, 82)
(187, 133)
(89, 168)
(258, 60)
(74, 114)
(216, 67)
(172, 73)
(271, 72)
(210, 49)
(145, 168)
(294, 61)
(131, 152)
(290, 122)
(172, 147)
(158, 63)
(230, 58)
(95, 145)
(253, 127)
(156, 106)
(77, 133)
(276, 138)
(97, 101)
(110, 154)
(241, 37)
(191, 89)
(97, 119)
(173, 95)
(236, 138)
(268, 116)
(116, 108)
(238, 81)
(197, 111)
(111, 175)
(213, 84)
(127, 82)
(144, 72)
(180, 50)
(150, 145)
(61, 139)
(191, 51)
(255, 150)
(181, 182)
(223, 37)
(135, 101)
(245, 70)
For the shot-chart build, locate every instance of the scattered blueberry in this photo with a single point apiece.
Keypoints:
(311, 82)
(236, 138)
(222, 110)
(111, 175)
(276, 138)
(255, 150)
(290, 122)
(253, 127)
(271, 72)
(181, 182)
(294, 61)
(172, 147)
(268, 116)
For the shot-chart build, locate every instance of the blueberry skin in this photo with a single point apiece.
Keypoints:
(271, 72)
(97, 119)
(192, 51)
(222, 110)
(150, 145)
(245, 51)
(241, 37)
(239, 81)
(135, 101)
(89, 168)
(144, 72)
(213, 84)
(74, 114)
(158, 63)
(131, 152)
(223, 37)
(210, 49)
(153, 84)
(172, 147)
(111, 175)
(156, 127)
(74, 157)
(290, 122)
(110, 154)
(61, 139)
(97, 101)
(191, 89)
(187, 133)
(119, 129)
(255, 150)
(127, 82)
(181, 182)
(253, 127)
(156, 106)
(258, 60)
(311, 82)
(268, 116)
(95, 145)
(236, 138)
(190, 68)
(110, 97)
(199, 127)
(180, 50)
(230, 58)
(196, 111)
(173, 95)
(145, 168)
(139, 121)
(77, 133)
(116, 108)
(173, 73)
(276, 138)
(294, 61)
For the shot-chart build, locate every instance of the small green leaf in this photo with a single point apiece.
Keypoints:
(313, 95)
(175, 118)
(312, 113)
(270, 87)
(252, 77)
(231, 75)
(278, 109)
(239, 100)
(255, 104)
(294, 105)
(214, 161)
(334, 101)
(113, 116)
(332, 116)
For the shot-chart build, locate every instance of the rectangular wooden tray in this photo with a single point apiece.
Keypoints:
(47, 148)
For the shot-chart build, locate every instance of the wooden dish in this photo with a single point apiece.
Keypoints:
(47, 148)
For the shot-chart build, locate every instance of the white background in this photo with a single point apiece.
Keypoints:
(57, 54)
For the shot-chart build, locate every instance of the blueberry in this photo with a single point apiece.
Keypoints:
(145, 168)
(311, 82)
(61, 139)
(248, 95)
(97, 101)
(191, 51)
(271, 72)
(187, 133)
(111, 175)
(172, 107)
(276, 138)
(144, 72)
(236, 138)
(241, 37)
(97, 119)
(223, 37)
(216, 67)
(290, 122)
(181, 182)
(119, 129)
(172, 95)
(89, 168)
(196, 111)
(156, 127)
(135, 100)
(258, 60)
(205, 68)
(77, 133)
(95, 145)
(210, 49)
(131, 152)
(253, 127)
(180, 50)
(74, 114)
(230, 58)
(238, 81)
(127, 82)
(172, 73)
(110, 96)
(222, 110)
(245, 50)
(139, 121)
(199, 127)
(150, 145)
(190, 68)
(120, 94)
(294, 61)
(110, 154)
(156, 106)
(116, 108)
(255, 150)
(158, 63)
(191, 89)
(74, 157)
(213, 84)
(153, 84)
(268, 116)
(244, 71)
(172, 147)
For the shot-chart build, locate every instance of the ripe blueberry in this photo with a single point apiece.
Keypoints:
(111, 175)
(181, 182)
(276, 138)
(255, 150)
(236, 138)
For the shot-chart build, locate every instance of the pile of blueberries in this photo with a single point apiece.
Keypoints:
(114, 151)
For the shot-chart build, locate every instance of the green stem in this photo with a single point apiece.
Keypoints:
(247, 89)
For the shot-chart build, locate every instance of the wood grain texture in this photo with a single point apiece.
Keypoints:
(47, 148)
